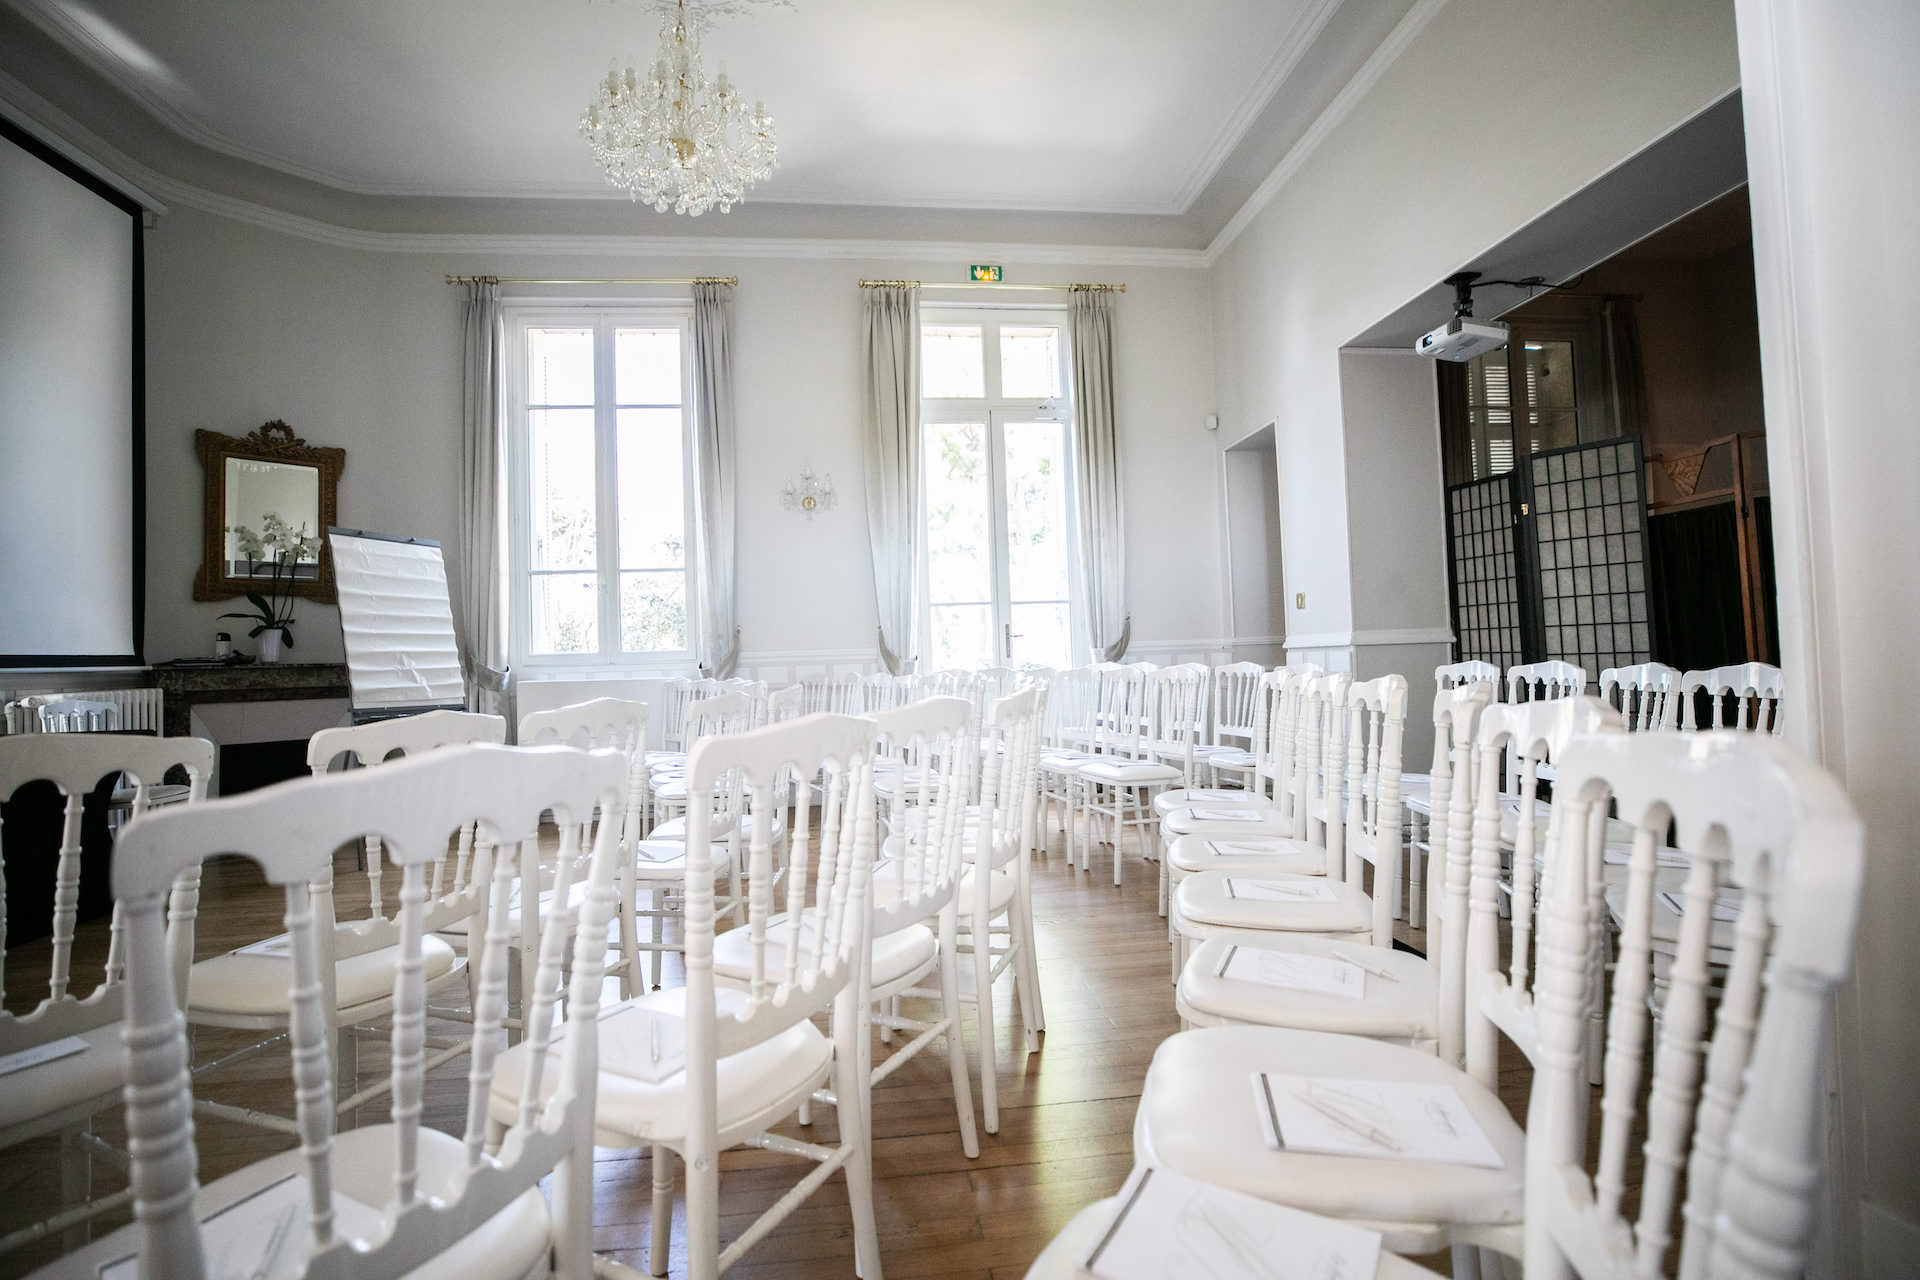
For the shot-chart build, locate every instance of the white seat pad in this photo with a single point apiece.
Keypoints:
(576, 895)
(1181, 822)
(664, 757)
(894, 955)
(1000, 889)
(1204, 899)
(252, 983)
(1402, 1010)
(1135, 771)
(666, 860)
(1181, 797)
(1190, 854)
(676, 829)
(507, 1246)
(1060, 1260)
(1197, 1118)
(94, 1072)
(757, 1085)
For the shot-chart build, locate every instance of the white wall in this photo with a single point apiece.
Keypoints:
(361, 349)
(1562, 91)
(1257, 605)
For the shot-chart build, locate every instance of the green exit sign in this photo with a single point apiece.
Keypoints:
(986, 275)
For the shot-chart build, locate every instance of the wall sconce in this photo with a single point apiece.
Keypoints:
(808, 494)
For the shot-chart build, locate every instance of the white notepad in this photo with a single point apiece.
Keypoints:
(1247, 813)
(269, 1232)
(278, 945)
(641, 1044)
(1300, 889)
(1726, 905)
(1618, 857)
(1227, 794)
(1174, 1226)
(1382, 1119)
(1246, 848)
(1294, 970)
(51, 1051)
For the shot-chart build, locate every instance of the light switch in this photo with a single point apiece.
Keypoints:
(1300, 600)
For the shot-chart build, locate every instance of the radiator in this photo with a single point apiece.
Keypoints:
(140, 709)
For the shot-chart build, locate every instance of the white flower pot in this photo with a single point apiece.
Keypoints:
(270, 646)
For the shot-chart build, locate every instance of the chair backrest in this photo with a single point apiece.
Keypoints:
(1534, 681)
(671, 717)
(79, 715)
(789, 703)
(1450, 796)
(1500, 1001)
(292, 830)
(1449, 675)
(1376, 724)
(1745, 696)
(996, 682)
(880, 691)
(718, 715)
(1644, 695)
(1121, 718)
(825, 890)
(1320, 762)
(1176, 709)
(378, 741)
(1070, 707)
(1735, 1101)
(76, 763)
(1236, 692)
(1009, 751)
(838, 694)
(935, 744)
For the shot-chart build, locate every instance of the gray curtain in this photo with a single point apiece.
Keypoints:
(1626, 377)
(480, 562)
(716, 637)
(1103, 565)
(890, 413)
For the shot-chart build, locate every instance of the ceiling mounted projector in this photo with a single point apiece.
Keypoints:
(1462, 338)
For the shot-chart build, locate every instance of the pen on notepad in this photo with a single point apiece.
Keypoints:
(1351, 1123)
(275, 1243)
(1358, 963)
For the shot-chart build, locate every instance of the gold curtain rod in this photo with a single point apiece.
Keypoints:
(987, 284)
(595, 280)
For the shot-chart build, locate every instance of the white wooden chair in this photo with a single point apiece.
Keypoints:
(1157, 722)
(916, 887)
(1450, 675)
(391, 1199)
(669, 721)
(753, 1055)
(245, 989)
(1534, 681)
(1419, 1206)
(1067, 743)
(1402, 992)
(1228, 750)
(1239, 905)
(78, 715)
(61, 1095)
(1746, 696)
(1735, 1102)
(722, 714)
(1644, 695)
(1414, 786)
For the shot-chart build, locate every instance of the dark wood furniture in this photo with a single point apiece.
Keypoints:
(187, 687)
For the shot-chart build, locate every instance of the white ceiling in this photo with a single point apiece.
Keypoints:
(1100, 106)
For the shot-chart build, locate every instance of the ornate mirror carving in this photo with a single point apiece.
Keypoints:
(270, 497)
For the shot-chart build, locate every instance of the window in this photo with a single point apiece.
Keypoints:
(1000, 568)
(598, 461)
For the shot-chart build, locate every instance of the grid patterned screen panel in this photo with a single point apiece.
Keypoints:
(1486, 593)
(1589, 526)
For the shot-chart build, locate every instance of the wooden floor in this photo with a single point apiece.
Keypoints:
(1066, 1111)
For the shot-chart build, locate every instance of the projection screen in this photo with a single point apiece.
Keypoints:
(72, 448)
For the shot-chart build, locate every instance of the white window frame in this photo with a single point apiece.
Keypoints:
(603, 318)
(995, 410)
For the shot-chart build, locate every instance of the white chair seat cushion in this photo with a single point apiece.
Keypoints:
(1191, 854)
(653, 758)
(894, 955)
(510, 1244)
(253, 983)
(666, 860)
(676, 829)
(1001, 887)
(755, 1087)
(1664, 924)
(673, 788)
(1060, 1260)
(1129, 771)
(1064, 761)
(1406, 1009)
(1227, 797)
(1230, 758)
(576, 896)
(34, 1093)
(1267, 822)
(1197, 1118)
(1205, 899)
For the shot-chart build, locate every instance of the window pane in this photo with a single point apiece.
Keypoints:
(962, 636)
(653, 521)
(1036, 510)
(1554, 429)
(1029, 362)
(959, 527)
(646, 366)
(566, 613)
(653, 611)
(1043, 634)
(560, 451)
(1550, 375)
(951, 362)
(560, 366)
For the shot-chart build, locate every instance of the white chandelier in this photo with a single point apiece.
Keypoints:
(674, 139)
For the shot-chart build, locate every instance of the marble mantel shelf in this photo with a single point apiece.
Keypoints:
(188, 687)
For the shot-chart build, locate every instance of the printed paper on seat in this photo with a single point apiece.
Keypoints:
(1247, 814)
(1381, 1119)
(51, 1051)
(1297, 889)
(1295, 971)
(1169, 1225)
(268, 1233)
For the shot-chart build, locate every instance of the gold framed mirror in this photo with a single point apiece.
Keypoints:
(270, 498)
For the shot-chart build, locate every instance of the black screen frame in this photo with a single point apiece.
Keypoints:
(137, 426)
